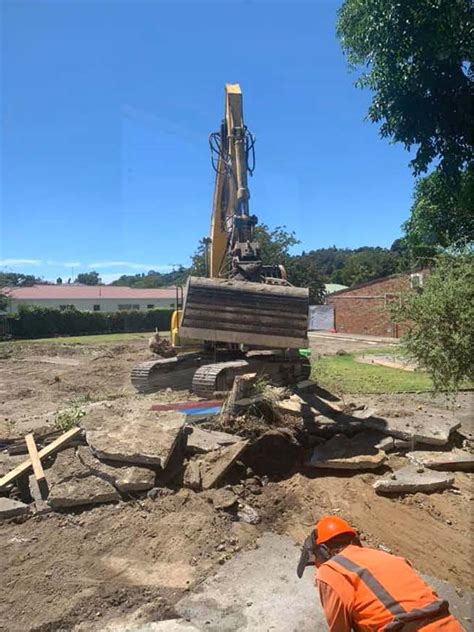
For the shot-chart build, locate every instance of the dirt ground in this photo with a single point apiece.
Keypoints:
(88, 569)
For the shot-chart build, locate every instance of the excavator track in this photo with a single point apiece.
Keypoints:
(176, 373)
(219, 377)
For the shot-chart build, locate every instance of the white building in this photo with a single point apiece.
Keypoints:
(94, 298)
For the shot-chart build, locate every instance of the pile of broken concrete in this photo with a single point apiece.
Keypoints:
(122, 452)
(126, 450)
(352, 438)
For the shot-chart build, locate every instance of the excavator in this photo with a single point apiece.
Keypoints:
(244, 315)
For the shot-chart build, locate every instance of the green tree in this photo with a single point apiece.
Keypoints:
(275, 244)
(199, 259)
(442, 214)
(303, 272)
(59, 281)
(367, 264)
(416, 57)
(441, 336)
(88, 278)
(18, 279)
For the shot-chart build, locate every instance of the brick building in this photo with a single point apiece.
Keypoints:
(364, 308)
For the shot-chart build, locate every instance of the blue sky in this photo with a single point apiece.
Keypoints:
(106, 109)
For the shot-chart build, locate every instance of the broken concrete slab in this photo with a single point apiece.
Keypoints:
(169, 625)
(453, 461)
(411, 479)
(421, 428)
(72, 484)
(222, 498)
(126, 478)
(74, 492)
(140, 437)
(10, 508)
(296, 405)
(65, 467)
(192, 475)
(342, 453)
(202, 441)
(270, 598)
(216, 464)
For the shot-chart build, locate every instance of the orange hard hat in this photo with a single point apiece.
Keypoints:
(331, 526)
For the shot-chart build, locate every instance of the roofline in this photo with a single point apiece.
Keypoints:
(374, 281)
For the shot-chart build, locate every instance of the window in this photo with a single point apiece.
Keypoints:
(150, 306)
(125, 307)
(135, 306)
(96, 308)
(172, 304)
(65, 307)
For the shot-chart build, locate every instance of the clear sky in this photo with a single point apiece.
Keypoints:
(106, 109)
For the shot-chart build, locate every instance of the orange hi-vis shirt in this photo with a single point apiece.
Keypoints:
(370, 591)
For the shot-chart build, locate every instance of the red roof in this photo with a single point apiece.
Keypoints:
(63, 292)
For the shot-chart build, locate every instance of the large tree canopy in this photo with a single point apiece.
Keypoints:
(415, 55)
(442, 215)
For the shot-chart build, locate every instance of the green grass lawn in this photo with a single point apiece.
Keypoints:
(342, 374)
(90, 340)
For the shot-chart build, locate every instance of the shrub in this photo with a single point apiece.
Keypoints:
(42, 322)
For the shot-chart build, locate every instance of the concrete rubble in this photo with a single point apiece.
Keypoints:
(192, 475)
(411, 479)
(10, 508)
(222, 498)
(420, 428)
(453, 461)
(126, 478)
(72, 484)
(144, 438)
(90, 490)
(216, 464)
(342, 453)
(201, 441)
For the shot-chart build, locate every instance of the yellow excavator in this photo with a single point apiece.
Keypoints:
(245, 315)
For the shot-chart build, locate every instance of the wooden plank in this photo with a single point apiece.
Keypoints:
(259, 340)
(24, 467)
(35, 460)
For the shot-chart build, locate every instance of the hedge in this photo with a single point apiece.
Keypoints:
(41, 322)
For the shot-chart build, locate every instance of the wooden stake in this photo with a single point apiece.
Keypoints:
(53, 447)
(37, 465)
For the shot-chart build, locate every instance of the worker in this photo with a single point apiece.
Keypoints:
(366, 590)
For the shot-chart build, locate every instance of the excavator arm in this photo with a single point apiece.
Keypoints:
(243, 301)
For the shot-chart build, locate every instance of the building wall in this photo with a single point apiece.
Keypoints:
(106, 305)
(365, 310)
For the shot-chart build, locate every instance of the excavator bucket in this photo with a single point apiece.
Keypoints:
(253, 314)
